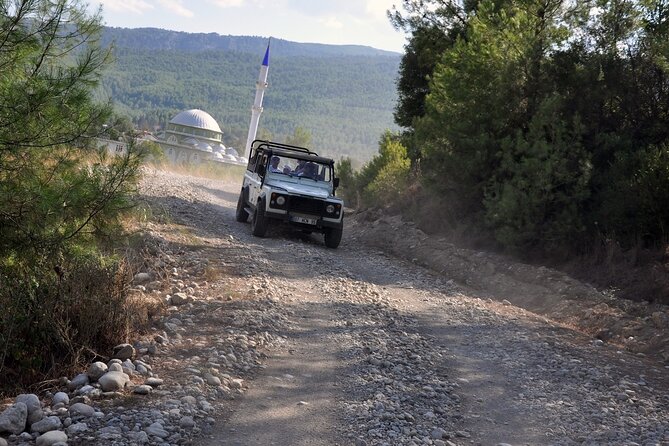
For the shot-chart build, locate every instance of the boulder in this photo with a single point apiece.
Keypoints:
(179, 299)
(96, 370)
(82, 409)
(60, 398)
(51, 437)
(14, 418)
(47, 424)
(78, 381)
(112, 381)
(123, 352)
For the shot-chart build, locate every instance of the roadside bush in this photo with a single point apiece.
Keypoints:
(384, 180)
(56, 316)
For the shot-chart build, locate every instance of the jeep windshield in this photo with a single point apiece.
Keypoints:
(299, 168)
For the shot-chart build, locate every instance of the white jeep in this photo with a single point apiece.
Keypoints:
(291, 184)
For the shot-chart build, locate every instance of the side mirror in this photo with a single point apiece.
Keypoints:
(335, 183)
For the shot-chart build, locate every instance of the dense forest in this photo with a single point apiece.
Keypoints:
(343, 95)
(544, 123)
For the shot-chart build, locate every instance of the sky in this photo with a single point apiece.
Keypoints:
(359, 22)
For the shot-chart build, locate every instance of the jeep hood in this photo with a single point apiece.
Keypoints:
(301, 189)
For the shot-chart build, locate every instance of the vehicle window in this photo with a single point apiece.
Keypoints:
(300, 168)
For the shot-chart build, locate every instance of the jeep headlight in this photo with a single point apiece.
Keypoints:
(280, 200)
(330, 209)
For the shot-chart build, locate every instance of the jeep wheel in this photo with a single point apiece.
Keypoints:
(241, 215)
(333, 237)
(259, 221)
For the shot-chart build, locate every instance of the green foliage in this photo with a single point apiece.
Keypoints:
(301, 137)
(537, 196)
(547, 120)
(348, 183)
(385, 178)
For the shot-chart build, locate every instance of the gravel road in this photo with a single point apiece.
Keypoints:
(380, 351)
(287, 342)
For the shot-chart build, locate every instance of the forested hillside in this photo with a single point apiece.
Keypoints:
(343, 95)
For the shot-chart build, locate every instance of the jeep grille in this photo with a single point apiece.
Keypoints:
(306, 205)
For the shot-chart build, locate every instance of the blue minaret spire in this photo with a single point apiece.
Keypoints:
(256, 110)
(265, 61)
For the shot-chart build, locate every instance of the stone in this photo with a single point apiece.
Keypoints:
(78, 381)
(30, 400)
(187, 422)
(141, 278)
(60, 398)
(179, 299)
(82, 409)
(123, 352)
(212, 380)
(96, 370)
(77, 428)
(47, 424)
(157, 430)
(438, 433)
(140, 437)
(112, 381)
(142, 390)
(14, 418)
(115, 367)
(3, 442)
(51, 438)
(153, 382)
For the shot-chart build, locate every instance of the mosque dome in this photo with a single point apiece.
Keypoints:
(198, 119)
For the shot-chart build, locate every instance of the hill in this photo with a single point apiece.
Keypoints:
(343, 94)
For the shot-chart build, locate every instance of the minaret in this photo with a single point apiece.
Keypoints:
(256, 110)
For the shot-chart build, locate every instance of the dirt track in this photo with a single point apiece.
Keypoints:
(380, 350)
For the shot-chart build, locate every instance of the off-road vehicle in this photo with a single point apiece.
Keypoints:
(285, 183)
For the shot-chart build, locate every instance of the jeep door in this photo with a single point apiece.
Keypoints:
(255, 178)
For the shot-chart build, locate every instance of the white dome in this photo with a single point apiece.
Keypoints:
(197, 118)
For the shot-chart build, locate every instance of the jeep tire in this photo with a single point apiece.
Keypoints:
(333, 237)
(241, 215)
(259, 221)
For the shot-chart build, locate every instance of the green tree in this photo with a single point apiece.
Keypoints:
(301, 137)
(59, 196)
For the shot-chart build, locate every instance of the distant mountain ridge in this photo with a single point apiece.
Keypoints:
(344, 95)
(162, 39)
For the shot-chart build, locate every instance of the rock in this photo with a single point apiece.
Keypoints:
(123, 352)
(30, 400)
(236, 383)
(187, 422)
(142, 390)
(141, 278)
(157, 430)
(14, 418)
(82, 409)
(77, 428)
(179, 299)
(438, 433)
(51, 438)
(140, 437)
(212, 380)
(96, 370)
(60, 398)
(78, 381)
(47, 424)
(115, 367)
(153, 382)
(3, 442)
(112, 381)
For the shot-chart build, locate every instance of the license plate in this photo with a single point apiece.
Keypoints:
(305, 220)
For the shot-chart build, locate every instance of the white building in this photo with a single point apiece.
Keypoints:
(194, 136)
